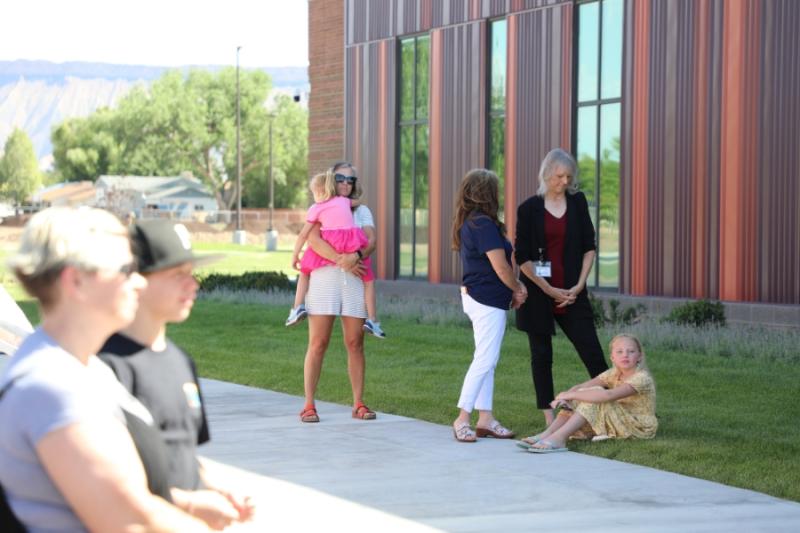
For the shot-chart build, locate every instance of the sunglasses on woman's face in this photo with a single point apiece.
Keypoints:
(341, 178)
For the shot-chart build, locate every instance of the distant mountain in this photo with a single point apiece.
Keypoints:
(36, 95)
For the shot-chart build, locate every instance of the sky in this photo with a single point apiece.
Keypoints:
(171, 33)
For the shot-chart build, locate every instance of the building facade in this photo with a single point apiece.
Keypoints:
(683, 116)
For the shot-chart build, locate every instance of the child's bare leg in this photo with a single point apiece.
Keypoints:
(558, 438)
(302, 289)
(549, 430)
(369, 296)
(555, 426)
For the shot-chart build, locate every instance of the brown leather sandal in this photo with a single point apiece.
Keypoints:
(309, 414)
(496, 430)
(362, 412)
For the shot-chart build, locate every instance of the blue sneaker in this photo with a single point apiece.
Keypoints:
(296, 315)
(374, 328)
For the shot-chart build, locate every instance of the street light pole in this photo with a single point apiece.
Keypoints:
(271, 178)
(239, 236)
(272, 235)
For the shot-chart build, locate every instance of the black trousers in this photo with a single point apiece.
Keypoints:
(583, 336)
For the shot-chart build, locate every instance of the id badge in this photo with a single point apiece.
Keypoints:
(542, 269)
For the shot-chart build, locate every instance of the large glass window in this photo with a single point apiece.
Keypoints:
(412, 168)
(497, 104)
(597, 126)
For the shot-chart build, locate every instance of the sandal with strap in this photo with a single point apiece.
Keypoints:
(528, 442)
(309, 414)
(546, 446)
(464, 433)
(496, 430)
(362, 412)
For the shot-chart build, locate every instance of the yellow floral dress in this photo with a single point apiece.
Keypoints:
(631, 417)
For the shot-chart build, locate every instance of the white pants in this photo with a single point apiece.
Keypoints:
(488, 327)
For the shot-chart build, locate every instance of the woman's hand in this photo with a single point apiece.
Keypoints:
(351, 263)
(519, 295)
(347, 261)
(562, 297)
(576, 290)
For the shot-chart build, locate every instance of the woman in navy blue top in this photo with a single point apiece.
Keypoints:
(489, 289)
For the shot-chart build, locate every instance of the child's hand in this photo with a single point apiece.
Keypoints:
(556, 404)
(296, 262)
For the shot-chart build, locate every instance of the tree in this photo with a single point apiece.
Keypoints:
(182, 122)
(290, 154)
(86, 148)
(19, 169)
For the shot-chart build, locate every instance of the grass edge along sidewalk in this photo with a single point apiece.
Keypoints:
(724, 419)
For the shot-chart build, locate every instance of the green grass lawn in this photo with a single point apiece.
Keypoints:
(727, 419)
(244, 258)
(731, 420)
(237, 259)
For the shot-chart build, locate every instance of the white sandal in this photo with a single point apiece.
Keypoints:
(464, 433)
(528, 442)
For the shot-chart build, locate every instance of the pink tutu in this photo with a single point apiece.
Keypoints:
(344, 241)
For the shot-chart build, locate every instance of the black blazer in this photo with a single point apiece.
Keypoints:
(536, 314)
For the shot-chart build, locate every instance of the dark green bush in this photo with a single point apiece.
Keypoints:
(617, 316)
(699, 313)
(249, 281)
(598, 310)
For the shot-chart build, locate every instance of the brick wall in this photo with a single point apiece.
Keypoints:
(326, 77)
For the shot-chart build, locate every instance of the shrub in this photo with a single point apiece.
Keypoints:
(598, 310)
(700, 313)
(616, 316)
(256, 281)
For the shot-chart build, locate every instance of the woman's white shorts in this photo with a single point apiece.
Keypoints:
(334, 292)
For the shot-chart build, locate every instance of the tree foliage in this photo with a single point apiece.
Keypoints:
(19, 169)
(290, 159)
(187, 123)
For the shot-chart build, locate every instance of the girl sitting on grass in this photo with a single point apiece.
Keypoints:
(620, 403)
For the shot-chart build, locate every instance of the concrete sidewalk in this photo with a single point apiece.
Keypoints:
(400, 474)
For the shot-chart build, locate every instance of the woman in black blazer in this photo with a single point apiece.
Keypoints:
(555, 250)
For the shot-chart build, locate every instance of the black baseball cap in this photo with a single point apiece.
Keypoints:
(160, 244)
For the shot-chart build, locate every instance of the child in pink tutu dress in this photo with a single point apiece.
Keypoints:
(335, 216)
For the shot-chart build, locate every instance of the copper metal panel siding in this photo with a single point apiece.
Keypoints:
(626, 159)
(779, 154)
(369, 20)
(710, 160)
(357, 21)
(537, 99)
(381, 19)
(370, 139)
(457, 132)
(522, 5)
(427, 10)
(740, 99)
(494, 8)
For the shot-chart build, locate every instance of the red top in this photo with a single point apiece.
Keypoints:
(555, 232)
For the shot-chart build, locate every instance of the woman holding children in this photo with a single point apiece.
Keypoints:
(620, 403)
(340, 286)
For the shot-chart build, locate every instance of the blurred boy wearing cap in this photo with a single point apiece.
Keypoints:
(162, 376)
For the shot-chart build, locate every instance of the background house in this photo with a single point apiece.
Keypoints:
(70, 193)
(180, 196)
